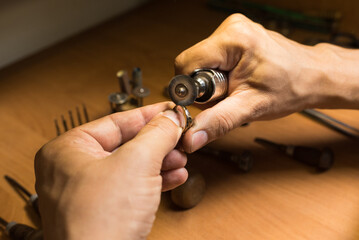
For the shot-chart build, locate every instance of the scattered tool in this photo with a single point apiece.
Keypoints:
(140, 93)
(321, 159)
(202, 86)
(71, 119)
(117, 101)
(191, 192)
(333, 123)
(124, 82)
(136, 77)
(243, 161)
(124, 100)
(17, 231)
(32, 198)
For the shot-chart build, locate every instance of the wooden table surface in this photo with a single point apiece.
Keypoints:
(278, 199)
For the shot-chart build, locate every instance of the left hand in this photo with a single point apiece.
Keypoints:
(103, 180)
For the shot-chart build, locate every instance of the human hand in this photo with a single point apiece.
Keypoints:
(103, 179)
(270, 76)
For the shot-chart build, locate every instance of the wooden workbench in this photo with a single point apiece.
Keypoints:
(278, 199)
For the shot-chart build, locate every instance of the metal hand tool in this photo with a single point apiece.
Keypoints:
(71, 120)
(202, 86)
(32, 198)
(243, 161)
(191, 192)
(321, 159)
(17, 231)
(333, 123)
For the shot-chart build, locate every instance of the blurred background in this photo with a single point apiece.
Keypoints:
(27, 26)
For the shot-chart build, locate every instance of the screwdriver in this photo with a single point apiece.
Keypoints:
(321, 159)
(17, 231)
(243, 161)
(33, 198)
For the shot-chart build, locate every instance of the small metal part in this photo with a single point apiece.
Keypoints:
(17, 231)
(186, 82)
(136, 77)
(3, 222)
(71, 119)
(140, 93)
(87, 119)
(117, 100)
(321, 159)
(79, 119)
(186, 117)
(58, 132)
(202, 86)
(124, 82)
(64, 123)
(191, 192)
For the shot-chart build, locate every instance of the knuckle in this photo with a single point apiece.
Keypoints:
(236, 17)
(40, 156)
(224, 123)
(237, 26)
(179, 63)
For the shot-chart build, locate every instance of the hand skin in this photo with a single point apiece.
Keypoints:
(270, 76)
(103, 180)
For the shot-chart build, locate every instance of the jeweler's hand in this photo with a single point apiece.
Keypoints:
(103, 180)
(270, 76)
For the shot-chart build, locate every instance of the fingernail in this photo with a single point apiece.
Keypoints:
(172, 116)
(199, 139)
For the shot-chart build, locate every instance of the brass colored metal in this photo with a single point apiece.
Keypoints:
(124, 82)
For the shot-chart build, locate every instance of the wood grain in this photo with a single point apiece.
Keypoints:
(279, 199)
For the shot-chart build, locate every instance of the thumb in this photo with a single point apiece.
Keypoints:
(218, 120)
(154, 141)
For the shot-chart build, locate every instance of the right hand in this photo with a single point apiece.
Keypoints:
(270, 76)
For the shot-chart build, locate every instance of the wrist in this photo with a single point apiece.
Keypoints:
(334, 77)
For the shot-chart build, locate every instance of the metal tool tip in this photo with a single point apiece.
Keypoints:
(3, 222)
(121, 73)
(181, 90)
